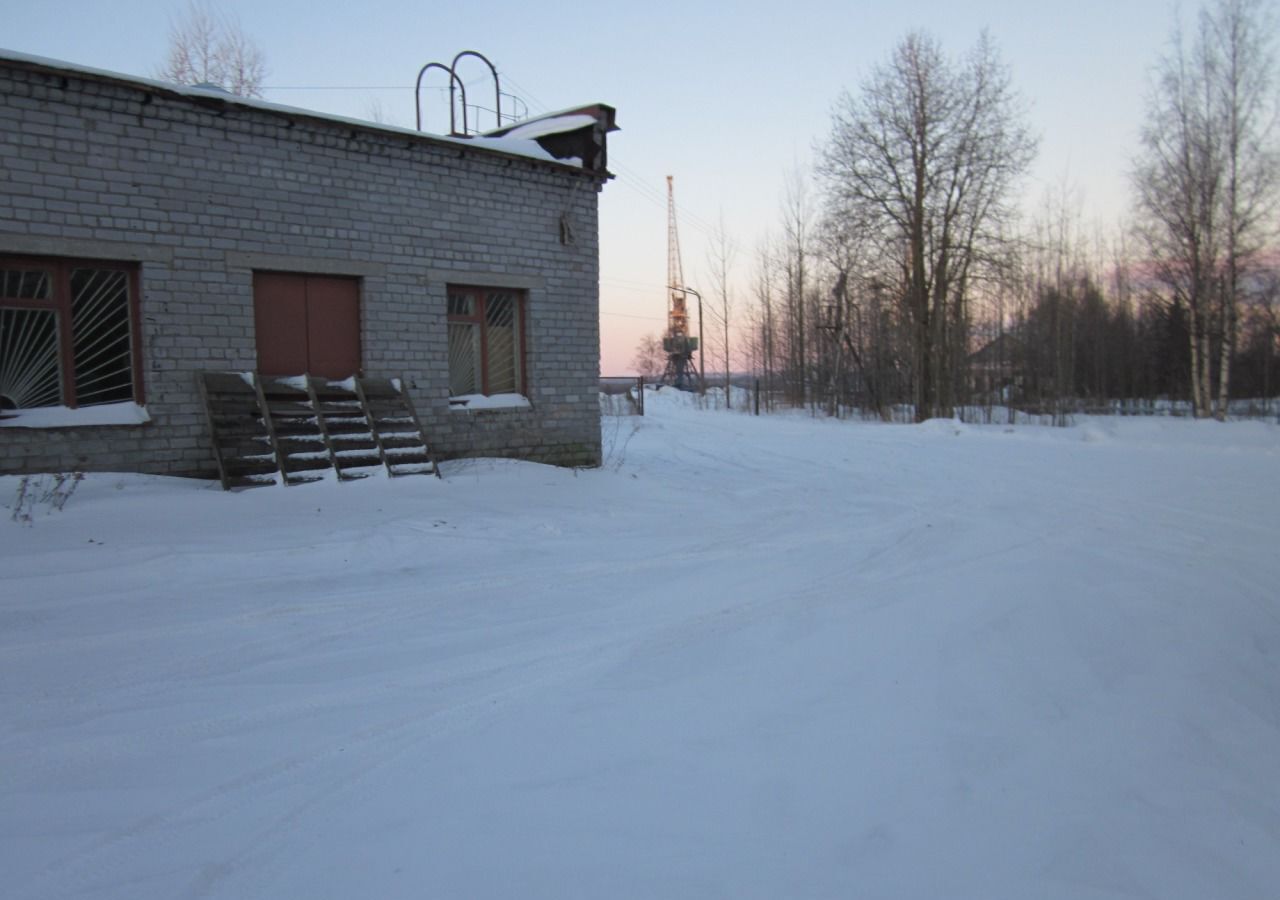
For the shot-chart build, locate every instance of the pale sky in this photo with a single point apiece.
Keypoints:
(726, 99)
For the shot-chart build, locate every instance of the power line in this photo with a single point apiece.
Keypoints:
(344, 87)
(647, 285)
(367, 87)
(525, 93)
(627, 176)
(619, 315)
(630, 179)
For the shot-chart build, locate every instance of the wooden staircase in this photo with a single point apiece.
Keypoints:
(242, 443)
(291, 430)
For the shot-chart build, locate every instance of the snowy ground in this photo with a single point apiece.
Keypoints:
(774, 657)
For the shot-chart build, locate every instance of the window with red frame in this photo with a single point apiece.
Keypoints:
(68, 333)
(486, 341)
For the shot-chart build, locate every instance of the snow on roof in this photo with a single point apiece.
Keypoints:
(505, 142)
(541, 127)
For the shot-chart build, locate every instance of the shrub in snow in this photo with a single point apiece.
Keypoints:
(51, 491)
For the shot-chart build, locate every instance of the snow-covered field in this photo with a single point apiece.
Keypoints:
(774, 657)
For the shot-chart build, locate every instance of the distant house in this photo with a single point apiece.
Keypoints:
(150, 232)
(997, 369)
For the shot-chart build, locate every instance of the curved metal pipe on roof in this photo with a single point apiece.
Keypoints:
(453, 76)
(497, 87)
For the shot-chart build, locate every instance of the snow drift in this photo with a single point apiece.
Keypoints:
(746, 658)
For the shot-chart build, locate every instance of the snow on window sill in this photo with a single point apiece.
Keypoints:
(66, 417)
(495, 401)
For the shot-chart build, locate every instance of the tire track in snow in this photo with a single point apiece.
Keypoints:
(90, 865)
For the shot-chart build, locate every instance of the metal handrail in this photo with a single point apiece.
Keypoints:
(497, 88)
(453, 77)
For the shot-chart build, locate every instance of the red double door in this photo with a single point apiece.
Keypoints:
(307, 324)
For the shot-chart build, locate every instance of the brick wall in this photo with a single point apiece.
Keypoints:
(202, 194)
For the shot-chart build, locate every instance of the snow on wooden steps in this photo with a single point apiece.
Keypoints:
(355, 427)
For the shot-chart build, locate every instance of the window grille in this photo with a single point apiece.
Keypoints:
(486, 353)
(67, 334)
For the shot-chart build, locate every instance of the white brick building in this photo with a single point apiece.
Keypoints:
(148, 232)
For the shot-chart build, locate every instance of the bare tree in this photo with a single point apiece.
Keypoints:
(721, 256)
(764, 349)
(210, 48)
(794, 254)
(839, 249)
(375, 111)
(1178, 180)
(1206, 181)
(926, 156)
(650, 360)
(1244, 32)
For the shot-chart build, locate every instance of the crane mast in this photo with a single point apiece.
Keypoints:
(677, 344)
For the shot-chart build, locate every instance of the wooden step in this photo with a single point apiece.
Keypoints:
(252, 481)
(294, 464)
(287, 430)
(292, 480)
(238, 468)
(238, 434)
(396, 428)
